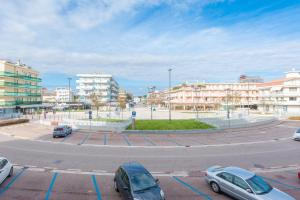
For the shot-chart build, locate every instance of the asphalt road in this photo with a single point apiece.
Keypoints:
(271, 149)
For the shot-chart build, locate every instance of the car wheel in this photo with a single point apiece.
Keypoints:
(115, 186)
(215, 187)
(11, 172)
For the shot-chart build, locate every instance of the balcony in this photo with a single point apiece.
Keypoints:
(18, 85)
(20, 76)
(20, 94)
(18, 103)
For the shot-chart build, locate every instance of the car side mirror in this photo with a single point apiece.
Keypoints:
(249, 190)
(157, 180)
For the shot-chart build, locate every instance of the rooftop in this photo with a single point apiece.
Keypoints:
(245, 174)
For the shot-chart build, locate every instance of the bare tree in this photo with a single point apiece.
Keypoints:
(96, 101)
(122, 103)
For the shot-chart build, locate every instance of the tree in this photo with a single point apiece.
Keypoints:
(122, 103)
(96, 101)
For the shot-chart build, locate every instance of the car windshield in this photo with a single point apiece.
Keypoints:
(258, 185)
(142, 181)
(298, 131)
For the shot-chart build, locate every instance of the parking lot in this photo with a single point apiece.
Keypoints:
(43, 184)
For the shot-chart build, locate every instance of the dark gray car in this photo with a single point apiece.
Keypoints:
(134, 182)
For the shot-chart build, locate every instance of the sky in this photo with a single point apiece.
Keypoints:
(137, 41)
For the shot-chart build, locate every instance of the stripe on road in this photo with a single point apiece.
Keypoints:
(149, 141)
(96, 187)
(48, 194)
(281, 183)
(105, 139)
(84, 139)
(126, 140)
(2, 191)
(188, 186)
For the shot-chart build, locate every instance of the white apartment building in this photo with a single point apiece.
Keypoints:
(63, 95)
(281, 96)
(103, 85)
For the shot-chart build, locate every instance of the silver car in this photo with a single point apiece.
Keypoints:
(242, 184)
(62, 131)
(296, 135)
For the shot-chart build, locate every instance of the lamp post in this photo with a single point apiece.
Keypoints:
(69, 79)
(170, 117)
(151, 90)
(227, 107)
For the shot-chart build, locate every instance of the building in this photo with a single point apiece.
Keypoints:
(19, 87)
(281, 96)
(208, 96)
(63, 95)
(250, 79)
(103, 85)
(48, 96)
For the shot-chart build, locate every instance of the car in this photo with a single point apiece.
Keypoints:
(242, 184)
(299, 175)
(296, 135)
(6, 169)
(62, 131)
(133, 181)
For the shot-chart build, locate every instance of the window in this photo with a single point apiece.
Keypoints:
(259, 185)
(125, 179)
(240, 183)
(226, 176)
(293, 89)
(3, 163)
(293, 99)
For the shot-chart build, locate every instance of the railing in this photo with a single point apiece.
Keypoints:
(18, 85)
(20, 94)
(16, 103)
(21, 76)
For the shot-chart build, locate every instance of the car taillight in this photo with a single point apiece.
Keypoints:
(299, 175)
(205, 173)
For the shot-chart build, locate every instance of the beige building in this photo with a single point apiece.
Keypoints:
(19, 87)
(209, 96)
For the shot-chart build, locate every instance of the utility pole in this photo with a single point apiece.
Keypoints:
(228, 113)
(170, 117)
(69, 79)
(151, 90)
(248, 100)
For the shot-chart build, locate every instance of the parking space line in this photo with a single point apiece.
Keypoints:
(84, 139)
(51, 186)
(66, 137)
(149, 141)
(96, 187)
(281, 183)
(126, 139)
(11, 182)
(105, 139)
(193, 189)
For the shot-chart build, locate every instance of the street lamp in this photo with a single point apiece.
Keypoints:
(170, 70)
(227, 106)
(69, 79)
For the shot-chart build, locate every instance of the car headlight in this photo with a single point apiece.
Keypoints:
(162, 194)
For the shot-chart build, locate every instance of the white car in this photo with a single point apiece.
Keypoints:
(296, 135)
(6, 169)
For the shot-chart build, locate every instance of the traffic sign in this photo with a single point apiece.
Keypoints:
(90, 114)
(133, 114)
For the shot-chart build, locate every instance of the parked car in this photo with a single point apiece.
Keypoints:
(242, 184)
(134, 182)
(296, 135)
(299, 174)
(62, 131)
(6, 169)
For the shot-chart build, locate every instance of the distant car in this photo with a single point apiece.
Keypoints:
(299, 175)
(6, 169)
(296, 135)
(62, 131)
(242, 184)
(135, 182)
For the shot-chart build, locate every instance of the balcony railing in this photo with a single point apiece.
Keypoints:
(20, 76)
(18, 85)
(20, 94)
(19, 103)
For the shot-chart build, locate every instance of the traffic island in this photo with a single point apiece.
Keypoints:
(178, 124)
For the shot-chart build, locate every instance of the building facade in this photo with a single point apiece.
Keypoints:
(19, 87)
(281, 96)
(63, 95)
(48, 96)
(103, 85)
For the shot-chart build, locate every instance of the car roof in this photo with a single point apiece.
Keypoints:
(133, 168)
(245, 174)
(2, 158)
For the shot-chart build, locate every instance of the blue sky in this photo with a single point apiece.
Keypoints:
(138, 40)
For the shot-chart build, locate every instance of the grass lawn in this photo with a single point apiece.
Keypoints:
(106, 120)
(188, 124)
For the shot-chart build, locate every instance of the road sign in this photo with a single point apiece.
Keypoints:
(90, 114)
(133, 114)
